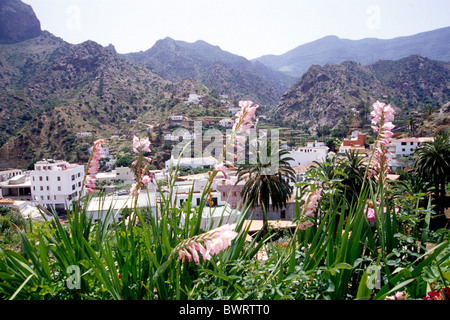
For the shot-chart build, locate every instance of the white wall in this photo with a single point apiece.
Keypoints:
(305, 155)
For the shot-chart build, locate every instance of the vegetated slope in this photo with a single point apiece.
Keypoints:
(339, 97)
(221, 71)
(51, 90)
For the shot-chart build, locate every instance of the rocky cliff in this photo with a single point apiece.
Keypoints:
(17, 22)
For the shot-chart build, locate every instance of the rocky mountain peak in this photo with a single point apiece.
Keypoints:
(18, 22)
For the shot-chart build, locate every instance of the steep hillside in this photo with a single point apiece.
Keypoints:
(226, 73)
(52, 90)
(338, 97)
(333, 50)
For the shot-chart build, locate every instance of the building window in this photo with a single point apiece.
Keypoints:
(46, 178)
(403, 143)
(283, 214)
(234, 194)
(42, 188)
(40, 178)
(48, 188)
(73, 187)
(403, 149)
(58, 178)
(59, 188)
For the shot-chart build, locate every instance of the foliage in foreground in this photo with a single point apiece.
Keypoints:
(336, 251)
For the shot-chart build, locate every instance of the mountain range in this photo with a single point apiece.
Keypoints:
(337, 97)
(226, 73)
(50, 90)
(334, 50)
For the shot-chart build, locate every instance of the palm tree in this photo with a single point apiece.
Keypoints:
(267, 182)
(433, 163)
(354, 169)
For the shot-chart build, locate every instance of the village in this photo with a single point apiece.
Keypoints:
(56, 185)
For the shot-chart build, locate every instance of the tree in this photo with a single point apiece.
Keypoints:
(354, 170)
(433, 163)
(264, 185)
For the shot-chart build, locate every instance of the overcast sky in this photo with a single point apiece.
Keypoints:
(250, 28)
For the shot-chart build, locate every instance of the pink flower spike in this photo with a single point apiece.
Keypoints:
(215, 241)
(370, 214)
(146, 180)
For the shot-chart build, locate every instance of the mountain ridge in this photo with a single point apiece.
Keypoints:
(434, 44)
(334, 95)
(51, 90)
(176, 60)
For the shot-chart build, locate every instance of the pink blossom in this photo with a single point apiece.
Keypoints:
(305, 224)
(135, 189)
(370, 214)
(398, 296)
(224, 167)
(311, 201)
(383, 115)
(94, 166)
(141, 145)
(146, 180)
(244, 117)
(213, 241)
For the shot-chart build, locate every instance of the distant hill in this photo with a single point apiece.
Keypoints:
(336, 98)
(221, 71)
(333, 50)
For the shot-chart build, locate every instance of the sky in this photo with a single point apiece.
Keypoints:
(250, 28)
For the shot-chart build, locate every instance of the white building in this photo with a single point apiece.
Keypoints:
(204, 162)
(176, 137)
(226, 122)
(405, 147)
(56, 183)
(85, 134)
(194, 98)
(314, 151)
(8, 174)
(124, 174)
(177, 118)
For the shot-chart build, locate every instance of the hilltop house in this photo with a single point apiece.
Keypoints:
(177, 118)
(194, 98)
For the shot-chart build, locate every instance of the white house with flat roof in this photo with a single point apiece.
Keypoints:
(405, 147)
(310, 153)
(56, 183)
(204, 162)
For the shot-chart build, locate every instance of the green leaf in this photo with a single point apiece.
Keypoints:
(343, 265)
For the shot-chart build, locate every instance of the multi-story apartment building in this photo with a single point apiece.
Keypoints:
(56, 183)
